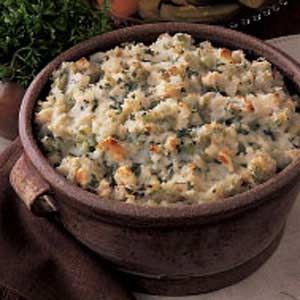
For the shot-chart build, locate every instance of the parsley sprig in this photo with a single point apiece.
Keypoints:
(32, 32)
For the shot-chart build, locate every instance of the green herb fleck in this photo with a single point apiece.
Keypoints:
(254, 125)
(136, 168)
(242, 130)
(270, 133)
(153, 104)
(94, 182)
(95, 105)
(190, 72)
(182, 132)
(296, 141)
(110, 172)
(149, 51)
(241, 149)
(131, 86)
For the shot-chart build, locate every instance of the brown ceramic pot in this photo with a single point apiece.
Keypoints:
(176, 250)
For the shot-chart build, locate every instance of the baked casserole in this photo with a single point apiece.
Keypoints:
(174, 122)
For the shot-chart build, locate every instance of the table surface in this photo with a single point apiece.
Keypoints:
(285, 22)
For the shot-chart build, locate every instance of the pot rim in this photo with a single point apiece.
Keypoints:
(115, 211)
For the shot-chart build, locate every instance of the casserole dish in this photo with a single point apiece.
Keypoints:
(163, 250)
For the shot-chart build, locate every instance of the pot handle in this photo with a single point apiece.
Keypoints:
(32, 189)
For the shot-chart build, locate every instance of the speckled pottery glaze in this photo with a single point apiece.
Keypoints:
(167, 250)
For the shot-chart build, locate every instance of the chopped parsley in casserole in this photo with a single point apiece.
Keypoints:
(173, 122)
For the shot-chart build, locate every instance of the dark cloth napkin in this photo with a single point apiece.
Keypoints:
(39, 260)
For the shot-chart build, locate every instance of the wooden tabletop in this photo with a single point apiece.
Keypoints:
(284, 22)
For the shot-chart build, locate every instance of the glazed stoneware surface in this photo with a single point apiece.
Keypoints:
(172, 251)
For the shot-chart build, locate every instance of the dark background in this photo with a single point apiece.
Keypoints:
(284, 22)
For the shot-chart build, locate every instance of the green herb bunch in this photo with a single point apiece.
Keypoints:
(32, 32)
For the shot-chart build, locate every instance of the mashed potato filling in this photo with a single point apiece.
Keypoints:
(176, 122)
